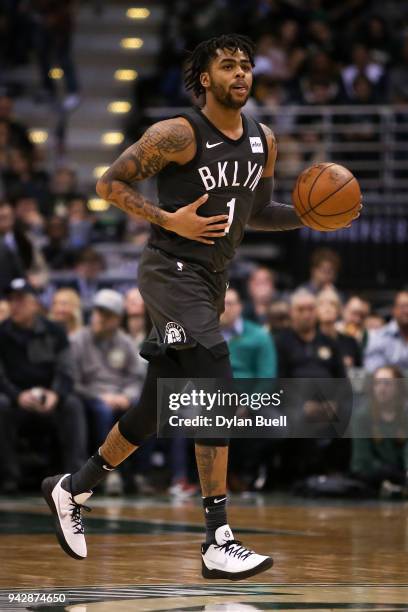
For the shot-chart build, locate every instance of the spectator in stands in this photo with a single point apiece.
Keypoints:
(376, 37)
(279, 57)
(322, 68)
(328, 313)
(389, 345)
(320, 35)
(380, 434)
(135, 317)
(362, 65)
(22, 256)
(64, 182)
(36, 385)
(108, 374)
(56, 251)
(353, 323)
(66, 310)
(261, 291)
(18, 132)
(304, 352)
(5, 147)
(21, 178)
(80, 222)
(278, 316)
(88, 267)
(324, 269)
(252, 350)
(11, 263)
(253, 355)
(30, 219)
(63, 187)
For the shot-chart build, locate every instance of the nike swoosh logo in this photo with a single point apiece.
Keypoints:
(210, 146)
(218, 501)
(105, 467)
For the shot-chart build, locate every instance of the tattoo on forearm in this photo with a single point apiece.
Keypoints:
(116, 448)
(142, 160)
(212, 468)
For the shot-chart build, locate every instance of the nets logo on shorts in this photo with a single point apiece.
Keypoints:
(174, 333)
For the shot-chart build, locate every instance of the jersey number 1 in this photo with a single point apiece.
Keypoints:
(231, 206)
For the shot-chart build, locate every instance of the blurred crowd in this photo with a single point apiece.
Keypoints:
(316, 52)
(39, 31)
(71, 328)
(69, 371)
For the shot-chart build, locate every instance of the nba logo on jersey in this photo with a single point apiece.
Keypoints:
(256, 144)
(174, 333)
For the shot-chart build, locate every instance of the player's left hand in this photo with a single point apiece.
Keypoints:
(187, 223)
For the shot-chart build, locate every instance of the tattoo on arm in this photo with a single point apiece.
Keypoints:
(140, 161)
(272, 145)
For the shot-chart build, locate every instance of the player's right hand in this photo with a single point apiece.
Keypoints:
(185, 222)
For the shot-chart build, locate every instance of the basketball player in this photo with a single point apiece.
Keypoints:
(215, 176)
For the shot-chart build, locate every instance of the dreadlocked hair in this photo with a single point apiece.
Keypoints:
(201, 56)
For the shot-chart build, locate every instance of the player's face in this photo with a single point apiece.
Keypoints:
(229, 78)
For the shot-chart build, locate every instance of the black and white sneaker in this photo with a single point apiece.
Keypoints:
(66, 509)
(226, 558)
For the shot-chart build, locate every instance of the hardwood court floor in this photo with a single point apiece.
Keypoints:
(143, 554)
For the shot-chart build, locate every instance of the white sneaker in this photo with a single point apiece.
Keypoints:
(227, 558)
(67, 513)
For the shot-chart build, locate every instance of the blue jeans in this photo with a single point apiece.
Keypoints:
(102, 418)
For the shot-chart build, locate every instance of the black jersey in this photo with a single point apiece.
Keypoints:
(229, 171)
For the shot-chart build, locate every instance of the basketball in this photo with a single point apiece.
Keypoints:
(326, 196)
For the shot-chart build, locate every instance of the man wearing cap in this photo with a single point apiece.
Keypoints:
(36, 385)
(108, 371)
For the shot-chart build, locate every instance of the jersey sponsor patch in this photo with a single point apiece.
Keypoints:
(256, 144)
(174, 333)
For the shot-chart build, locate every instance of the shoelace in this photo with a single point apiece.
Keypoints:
(76, 518)
(235, 548)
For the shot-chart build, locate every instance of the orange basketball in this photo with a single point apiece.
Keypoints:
(326, 196)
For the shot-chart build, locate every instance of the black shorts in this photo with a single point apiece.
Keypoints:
(184, 301)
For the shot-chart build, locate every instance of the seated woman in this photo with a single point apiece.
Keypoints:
(380, 433)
